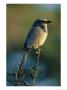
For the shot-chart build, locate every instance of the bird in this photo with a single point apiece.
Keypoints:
(34, 40)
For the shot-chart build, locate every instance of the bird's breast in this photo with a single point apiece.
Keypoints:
(36, 38)
(40, 38)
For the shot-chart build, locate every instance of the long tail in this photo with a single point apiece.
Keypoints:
(20, 68)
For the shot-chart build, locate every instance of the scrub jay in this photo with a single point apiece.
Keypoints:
(35, 39)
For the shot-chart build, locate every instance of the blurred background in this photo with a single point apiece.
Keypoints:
(19, 20)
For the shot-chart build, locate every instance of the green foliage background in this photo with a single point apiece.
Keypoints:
(20, 18)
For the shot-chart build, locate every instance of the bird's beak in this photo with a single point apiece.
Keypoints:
(47, 21)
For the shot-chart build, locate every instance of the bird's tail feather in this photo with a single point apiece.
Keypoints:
(20, 68)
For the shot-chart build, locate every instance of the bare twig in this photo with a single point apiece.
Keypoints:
(37, 67)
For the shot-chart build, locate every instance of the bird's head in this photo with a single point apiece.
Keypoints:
(41, 22)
